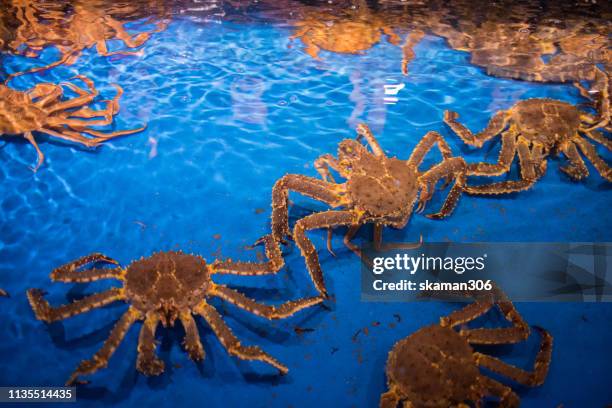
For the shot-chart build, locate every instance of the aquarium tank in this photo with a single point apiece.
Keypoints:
(304, 203)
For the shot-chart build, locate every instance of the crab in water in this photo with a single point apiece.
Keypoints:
(167, 287)
(41, 109)
(534, 129)
(599, 94)
(352, 33)
(89, 25)
(437, 367)
(378, 189)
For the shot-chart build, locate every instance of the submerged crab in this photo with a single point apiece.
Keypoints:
(599, 93)
(378, 189)
(163, 288)
(534, 129)
(437, 367)
(41, 109)
(350, 32)
(90, 24)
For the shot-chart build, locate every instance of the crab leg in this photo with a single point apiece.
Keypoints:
(80, 91)
(325, 219)
(71, 136)
(506, 157)
(100, 359)
(44, 94)
(380, 246)
(529, 174)
(576, 169)
(506, 335)
(274, 264)
(390, 399)
(590, 152)
(67, 271)
(267, 311)
(324, 163)
(364, 131)
(41, 157)
(454, 166)
(88, 113)
(496, 125)
(65, 59)
(192, 342)
(73, 103)
(147, 362)
(231, 342)
(468, 313)
(111, 135)
(48, 314)
(408, 48)
(425, 145)
(90, 275)
(531, 379)
(598, 137)
(308, 186)
(507, 397)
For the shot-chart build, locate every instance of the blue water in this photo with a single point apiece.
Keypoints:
(230, 108)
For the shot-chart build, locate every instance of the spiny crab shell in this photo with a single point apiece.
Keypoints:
(167, 282)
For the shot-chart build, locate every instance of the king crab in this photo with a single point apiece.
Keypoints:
(378, 189)
(166, 287)
(534, 129)
(437, 367)
(40, 109)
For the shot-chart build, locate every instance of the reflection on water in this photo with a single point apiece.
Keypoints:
(545, 42)
(74, 26)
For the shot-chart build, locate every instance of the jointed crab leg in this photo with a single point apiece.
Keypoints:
(504, 161)
(147, 362)
(518, 332)
(507, 397)
(100, 359)
(408, 48)
(590, 152)
(46, 313)
(598, 137)
(71, 136)
(324, 163)
(325, 219)
(231, 342)
(426, 144)
(364, 131)
(274, 264)
(308, 186)
(192, 342)
(111, 135)
(576, 169)
(268, 311)
(68, 272)
(521, 376)
(496, 125)
(41, 157)
(454, 166)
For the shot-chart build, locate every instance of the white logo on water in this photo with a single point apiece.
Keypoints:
(391, 90)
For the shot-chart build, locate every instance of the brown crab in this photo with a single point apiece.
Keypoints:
(41, 109)
(91, 24)
(378, 189)
(599, 93)
(352, 32)
(163, 288)
(437, 367)
(534, 129)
